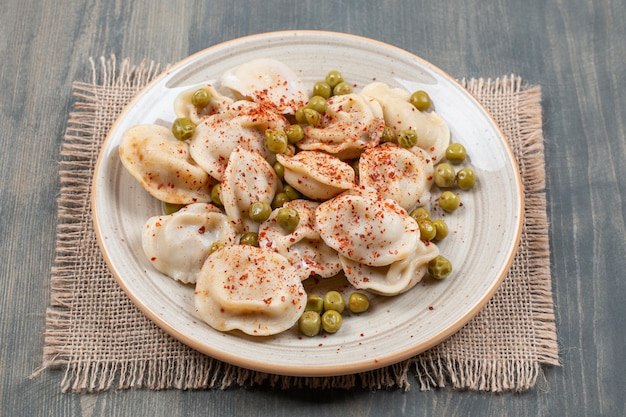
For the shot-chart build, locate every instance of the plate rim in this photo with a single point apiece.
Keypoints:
(293, 370)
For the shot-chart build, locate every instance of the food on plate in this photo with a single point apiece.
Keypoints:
(242, 124)
(303, 245)
(248, 179)
(350, 124)
(251, 289)
(268, 82)
(316, 174)
(178, 244)
(396, 173)
(268, 185)
(163, 166)
(433, 134)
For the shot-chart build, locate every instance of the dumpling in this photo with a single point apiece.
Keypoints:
(392, 279)
(268, 82)
(397, 173)
(178, 244)
(184, 108)
(304, 247)
(367, 228)
(351, 123)
(242, 124)
(317, 175)
(433, 134)
(163, 166)
(251, 289)
(248, 179)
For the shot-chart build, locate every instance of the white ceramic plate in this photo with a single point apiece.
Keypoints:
(482, 243)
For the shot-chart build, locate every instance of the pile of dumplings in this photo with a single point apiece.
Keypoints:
(352, 224)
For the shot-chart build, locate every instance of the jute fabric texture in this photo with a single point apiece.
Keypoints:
(101, 340)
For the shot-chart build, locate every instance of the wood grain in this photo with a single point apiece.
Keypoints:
(574, 49)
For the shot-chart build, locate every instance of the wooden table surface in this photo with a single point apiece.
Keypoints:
(576, 51)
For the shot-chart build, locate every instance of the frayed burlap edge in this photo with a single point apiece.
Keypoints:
(199, 371)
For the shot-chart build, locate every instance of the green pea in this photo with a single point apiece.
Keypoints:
(279, 199)
(310, 323)
(442, 229)
(407, 138)
(300, 117)
(314, 303)
(421, 100)
(341, 89)
(215, 195)
(358, 302)
(456, 153)
(449, 201)
(260, 211)
(312, 117)
(295, 133)
(333, 300)
(331, 321)
(389, 135)
(318, 103)
(215, 246)
(291, 192)
(427, 230)
(439, 267)
(288, 218)
(276, 140)
(333, 77)
(183, 128)
(169, 208)
(279, 169)
(420, 213)
(201, 98)
(322, 89)
(444, 175)
(466, 178)
(249, 238)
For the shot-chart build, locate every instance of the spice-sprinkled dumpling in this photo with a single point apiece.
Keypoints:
(242, 124)
(162, 165)
(367, 228)
(304, 247)
(397, 173)
(351, 123)
(317, 175)
(392, 279)
(433, 134)
(251, 289)
(268, 82)
(183, 107)
(248, 178)
(178, 244)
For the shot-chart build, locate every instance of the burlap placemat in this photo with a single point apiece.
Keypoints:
(102, 340)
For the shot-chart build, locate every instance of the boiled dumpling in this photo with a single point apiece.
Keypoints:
(242, 124)
(367, 228)
(163, 166)
(317, 175)
(184, 108)
(304, 247)
(254, 290)
(433, 134)
(393, 279)
(397, 173)
(178, 244)
(351, 123)
(268, 82)
(248, 178)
